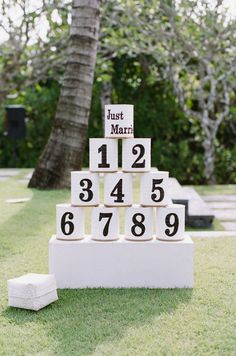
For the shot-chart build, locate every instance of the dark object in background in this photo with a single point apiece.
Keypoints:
(15, 122)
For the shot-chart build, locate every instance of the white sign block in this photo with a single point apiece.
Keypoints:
(84, 188)
(70, 222)
(105, 224)
(103, 155)
(136, 155)
(154, 188)
(170, 222)
(118, 189)
(119, 121)
(138, 223)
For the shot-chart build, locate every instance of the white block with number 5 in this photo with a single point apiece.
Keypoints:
(103, 155)
(105, 224)
(136, 155)
(118, 189)
(70, 222)
(119, 121)
(139, 223)
(170, 222)
(84, 188)
(153, 189)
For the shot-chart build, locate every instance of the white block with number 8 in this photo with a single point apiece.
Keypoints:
(118, 189)
(84, 188)
(105, 223)
(119, 121)
(153, 189)
(70, 222)
(170, 222)
(103, 155)
(139, 223)
(136, 155)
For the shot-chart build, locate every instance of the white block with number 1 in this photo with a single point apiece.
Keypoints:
(84, 188)
(119, 121)
(103, 155)
(170, 222)
(136, 155)
(118, 189)
(70, 222)
(154, 188)
(105, 224)
(138, 223)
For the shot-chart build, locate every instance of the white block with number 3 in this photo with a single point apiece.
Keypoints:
(139, 223)
(70, 222)
(136, 155)
(153, 189)
(118, 189)
(103, 155)
(170, 222)
(105, 224)
(84, 188)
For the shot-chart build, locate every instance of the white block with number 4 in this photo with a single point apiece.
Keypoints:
(70, 222)
(119, 121)
(170, 222)
(105, 223)
(118, 189)
(139, 223)
(136, 155)
(103, 155)
(84, 188)
(153, 188)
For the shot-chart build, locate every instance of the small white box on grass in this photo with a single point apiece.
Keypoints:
(118, 189)
(103, 155)
(119, 121)
(136, 155)
(105, 223)
(84, 188)
(32, 291)
(139, 223)
(170, 222)
(70, 222)
(153, 188)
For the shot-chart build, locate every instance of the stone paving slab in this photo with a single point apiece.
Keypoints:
(9, 172)
(229, 225)
(207, 234)
(222, 205)
(223, 198)
(225, 215)
(3, 179)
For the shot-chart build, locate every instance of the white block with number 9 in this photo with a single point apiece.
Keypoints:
(153, 189)
(70, 222)
(84, 188)
(136, 155)
(170, 222)
(118, 189)
(139, 223)
(105, 224)
(119, 121)
(103, 155)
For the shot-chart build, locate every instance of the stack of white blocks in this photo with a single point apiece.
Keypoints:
(154, 252)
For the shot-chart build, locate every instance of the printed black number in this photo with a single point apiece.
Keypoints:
(107, 216)
(138, 220)
(174, 224)
(117, 192)
(103, 151)
(87, 184)
(155, 183)
(138, 149)
(67, 227)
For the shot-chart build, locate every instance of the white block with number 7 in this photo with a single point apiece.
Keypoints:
(153, 189)
(103, 155)
(84, 188)
(70, 222)
(170, 222)
(118, 189)
(136, 155)
(105, 223)
(139, 223)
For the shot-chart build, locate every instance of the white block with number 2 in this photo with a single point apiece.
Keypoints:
(170, 222)
(103, 155)
(136, 155)
(84, 188)
(153, 188)
(105, 223)
(118, 189)
(70, 222)
(138, 223)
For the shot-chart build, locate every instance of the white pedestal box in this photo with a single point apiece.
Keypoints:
(170, 222)
(105, 223)
(70, 222)
(122, 263)
(84, 188)
(119, 121)
(103, 155)
(136, 155)
(154, 188)
(138, 223)
(118, 189)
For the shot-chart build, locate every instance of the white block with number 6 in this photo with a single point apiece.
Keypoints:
(138, 223)
(119, 121)
(84, 188)
(118, 189)
(103, 155)
(70, 222)
(136, 155)
(105, 223)
(170, 222)
(153, 189)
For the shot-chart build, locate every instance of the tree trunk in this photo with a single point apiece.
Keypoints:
(209, 160)
(105, 98)
(65, 147)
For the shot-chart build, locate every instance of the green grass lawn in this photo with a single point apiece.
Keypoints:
(201, 321)
(216, 189)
